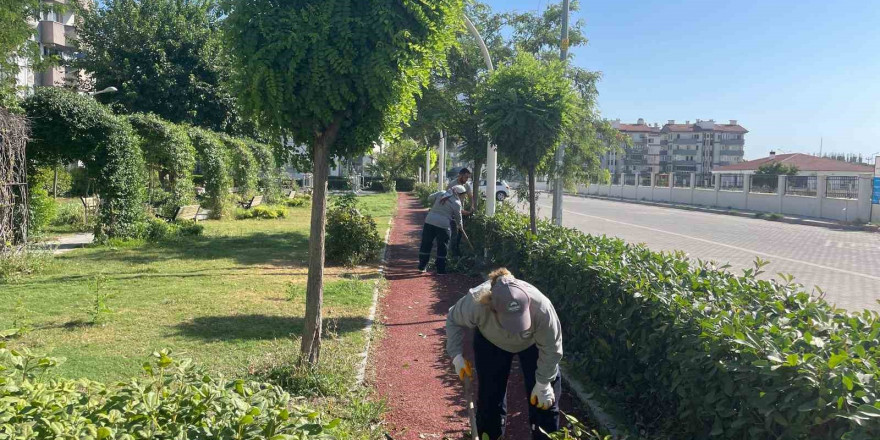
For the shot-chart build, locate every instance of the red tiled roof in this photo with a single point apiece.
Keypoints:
(678, 127)
(803, 162)
(730, 128)
(638, 128)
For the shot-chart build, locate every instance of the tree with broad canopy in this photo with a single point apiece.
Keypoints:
(334, 75)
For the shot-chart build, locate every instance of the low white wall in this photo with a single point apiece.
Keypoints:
(764, 202)
(800, 205)
(731, 199)
(663, 194)
(705, 197)
(847, 210)
(682, 195)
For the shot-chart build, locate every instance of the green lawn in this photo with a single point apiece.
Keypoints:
(230, 299)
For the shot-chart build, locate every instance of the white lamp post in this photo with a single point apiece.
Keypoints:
(491, 152)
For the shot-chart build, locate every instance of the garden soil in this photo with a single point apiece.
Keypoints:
(413, 374)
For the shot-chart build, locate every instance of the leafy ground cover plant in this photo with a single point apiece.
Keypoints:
(175, 399)
(267, 212)
(693, 351)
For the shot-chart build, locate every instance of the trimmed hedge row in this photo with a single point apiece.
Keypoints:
(695, 352)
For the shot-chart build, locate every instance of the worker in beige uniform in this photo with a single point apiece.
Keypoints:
(509, 317)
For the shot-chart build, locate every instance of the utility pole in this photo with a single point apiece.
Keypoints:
(560, 152)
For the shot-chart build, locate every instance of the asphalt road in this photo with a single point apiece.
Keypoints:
(844, 264)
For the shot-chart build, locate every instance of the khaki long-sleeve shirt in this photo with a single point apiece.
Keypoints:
(545, 333)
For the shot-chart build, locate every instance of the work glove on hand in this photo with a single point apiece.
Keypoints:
(542, 395)
(463, 367)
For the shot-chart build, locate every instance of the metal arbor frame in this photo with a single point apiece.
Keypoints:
(14, 212)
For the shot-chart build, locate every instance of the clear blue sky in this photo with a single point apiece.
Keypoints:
(788, 71)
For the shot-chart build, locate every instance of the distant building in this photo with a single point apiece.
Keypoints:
(685, 148)
(806, 164)
(56, 35)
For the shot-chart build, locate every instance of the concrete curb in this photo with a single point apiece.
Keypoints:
(371, 317)
(739, 213)
(603, 418)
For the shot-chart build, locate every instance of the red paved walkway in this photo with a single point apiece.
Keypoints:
(413, 373)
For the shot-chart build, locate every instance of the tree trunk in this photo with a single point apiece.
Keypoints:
(532, 213)
(311, 337)
(55, 183)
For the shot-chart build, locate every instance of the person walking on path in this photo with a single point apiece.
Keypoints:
(509, 317)
(445, 214)
(464, 176)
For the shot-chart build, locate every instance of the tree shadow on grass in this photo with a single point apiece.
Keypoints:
(257, 327)
(276, 248)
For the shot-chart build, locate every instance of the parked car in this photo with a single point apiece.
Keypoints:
(502, 190)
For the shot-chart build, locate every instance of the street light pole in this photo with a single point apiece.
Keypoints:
(110, 89)
(560, 152)
(491, 152)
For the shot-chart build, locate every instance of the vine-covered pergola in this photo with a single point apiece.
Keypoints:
(13, 180)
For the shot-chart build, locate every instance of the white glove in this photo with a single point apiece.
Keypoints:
(542, 395)
(462, 367)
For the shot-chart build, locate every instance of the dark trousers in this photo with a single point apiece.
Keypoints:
(455, 239)
(429, 234)
(493, 369)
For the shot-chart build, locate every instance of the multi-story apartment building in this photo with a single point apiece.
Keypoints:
(684, 148)
(643, 153)
(56, 36)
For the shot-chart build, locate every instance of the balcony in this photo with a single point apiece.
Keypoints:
(731, 152)
(635, 162)
(687, 141)
(70, 33)
(637, 150)
(684, 152)
(53, 77)
(52, 33)
(732, 142)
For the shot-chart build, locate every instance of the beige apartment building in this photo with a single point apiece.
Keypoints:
(683, 148)
(56, 35)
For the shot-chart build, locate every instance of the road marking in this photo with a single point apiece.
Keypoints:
(729, 246)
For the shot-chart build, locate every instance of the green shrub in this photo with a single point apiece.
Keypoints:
(352, 237)
(694, 352)
(269, 174)
(71, 215)
(67, 127)
(404, 185)
(298, 201)
(19, 263)
(267, 212)
(42, 207)
(174, 400)
(243, 166)
(423, 190)
(158, 230)
(169, 152)
(215, 161)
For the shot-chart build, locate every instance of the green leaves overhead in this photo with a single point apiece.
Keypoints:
(304, 66)
(164, 56)
(525, 107)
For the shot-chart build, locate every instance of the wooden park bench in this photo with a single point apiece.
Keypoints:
(188, 212)
(254, 201)
(90, 207)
